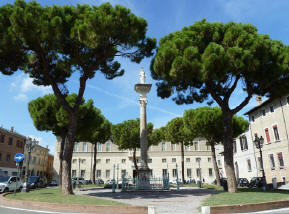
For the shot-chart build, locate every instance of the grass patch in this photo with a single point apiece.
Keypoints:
(205, 186)
(54, 195)
(245, 196)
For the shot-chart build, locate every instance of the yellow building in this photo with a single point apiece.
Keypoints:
(38, 163)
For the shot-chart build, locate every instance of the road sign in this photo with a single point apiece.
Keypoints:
(18, 157)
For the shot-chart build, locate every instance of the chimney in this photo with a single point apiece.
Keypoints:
(12, 129)
(259, 100)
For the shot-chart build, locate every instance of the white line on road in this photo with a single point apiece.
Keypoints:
(36, 211)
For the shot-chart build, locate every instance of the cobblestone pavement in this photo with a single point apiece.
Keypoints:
(185, 201)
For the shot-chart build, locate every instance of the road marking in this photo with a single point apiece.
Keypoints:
(36, 211)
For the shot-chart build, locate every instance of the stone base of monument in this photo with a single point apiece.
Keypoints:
(143, 180)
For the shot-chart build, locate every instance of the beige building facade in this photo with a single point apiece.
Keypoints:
(162, 159)
(270, 119)
(39, 161)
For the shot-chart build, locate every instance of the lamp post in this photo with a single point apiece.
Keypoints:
(259, 142)
(29, 144)
(200, 182)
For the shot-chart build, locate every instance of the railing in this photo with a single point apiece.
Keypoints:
(136, 184)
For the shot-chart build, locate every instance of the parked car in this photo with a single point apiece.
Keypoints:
(10, 183)
(77, 181)
(109, 183)
(36, 182)
(99, 181)
(191, 181)
(53, 183)
(256, 182)
(174, 181)
(243, 182)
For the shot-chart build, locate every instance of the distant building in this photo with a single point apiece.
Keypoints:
(39, 161)
(49, 170)
(270, 119)
(162, 159)
(11, 143)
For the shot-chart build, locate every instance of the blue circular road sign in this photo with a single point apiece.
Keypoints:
(19, 157)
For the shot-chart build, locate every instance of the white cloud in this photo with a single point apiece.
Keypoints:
(20, 97)
(24, 86)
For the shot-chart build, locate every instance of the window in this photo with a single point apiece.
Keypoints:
(82, 173)
(99, 147)
(280, 158)
(196, 144)
(173, 147)
(189, 172)
(174, 160)
(249, 165)
(98, 161)
(210, 172)
(164, 160)
(198, 159)
(2, 139)
(264, 112)
(165, 172)
(188, 160)
(234, 146)
(75, 147)
(260, 163)
(150, 160)
(209, 160)
(163, 146)
(34, 160)
(10, 141)
(219, 163)
(252, 118)
(98, 173)
(73, 173)
(123, 160)
(208, 147)
(107, 173)
(267, 135)
(174, 173)
(107, 161)
(272, 162)
(84, 147)
(187, 148)
(108, 145)
(271, 108)
(276, 133)
(243, 143)
(83, 161)
(123, 172)
(17, 144)
(198, 170)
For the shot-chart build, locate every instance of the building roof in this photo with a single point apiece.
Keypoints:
(258, 106)
(11, 132)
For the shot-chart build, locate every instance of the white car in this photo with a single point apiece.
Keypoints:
(10, 183)
(78, 181)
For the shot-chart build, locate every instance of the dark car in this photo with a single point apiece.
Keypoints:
(53, 183)
(243, 182)
(99, 181)
(36, 182)
(256, 182)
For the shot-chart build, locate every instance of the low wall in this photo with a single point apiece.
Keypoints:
(245, 208)
(105, 209)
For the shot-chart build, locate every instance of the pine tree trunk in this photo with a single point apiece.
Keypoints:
(228, 151)
(216, 168)
(94, 163)
(183, 162)
(67, 156)
(134, 160)
(60, 159)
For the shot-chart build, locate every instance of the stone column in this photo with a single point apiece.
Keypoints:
(143, 134)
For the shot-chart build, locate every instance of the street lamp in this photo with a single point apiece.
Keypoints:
(29, 144)
(200, 182)
(259, 142)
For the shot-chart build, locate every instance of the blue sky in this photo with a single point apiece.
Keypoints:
(116, 98)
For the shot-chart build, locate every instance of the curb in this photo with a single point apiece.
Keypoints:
(103, 209)
(245, 208)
